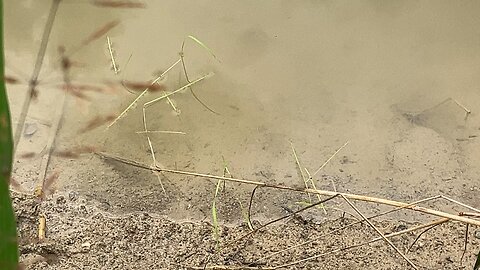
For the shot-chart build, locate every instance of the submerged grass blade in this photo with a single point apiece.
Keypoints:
(297, 161)
(8, 232)
(178, 90)
(203, 46)
(122, 114)
(182, 57)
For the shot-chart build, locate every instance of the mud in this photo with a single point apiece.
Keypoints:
(81, 236)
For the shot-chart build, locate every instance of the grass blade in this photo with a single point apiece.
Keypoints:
(216, 229)
(203, 46)
(477, 263)
(8, 232)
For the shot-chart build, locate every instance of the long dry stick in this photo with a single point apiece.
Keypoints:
(162, 131)
(36, 71)
(433, 223)
(379, 232)
(318, 191)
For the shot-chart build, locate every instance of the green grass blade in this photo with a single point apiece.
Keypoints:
(204, 46)
(216, 229)
(477, 263)
(8, 233)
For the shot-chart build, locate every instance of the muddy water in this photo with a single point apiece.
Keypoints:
(316, 74)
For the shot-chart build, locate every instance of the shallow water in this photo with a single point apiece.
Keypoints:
(313, 73)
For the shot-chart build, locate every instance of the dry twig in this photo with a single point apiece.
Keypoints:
(312, 191)
(439, 221)
(379, 232)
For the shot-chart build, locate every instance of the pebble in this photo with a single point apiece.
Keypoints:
(477, 234)
(61, 200)
(72, 195)
(30, 129)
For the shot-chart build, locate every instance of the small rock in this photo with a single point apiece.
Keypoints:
(83, 210)
(72, 195)
(61, 200)
(30, 129)
(400, 227)
(477, 234)
(86, 246)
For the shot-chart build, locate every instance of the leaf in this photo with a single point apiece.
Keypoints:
(477, 263)
(8, 233)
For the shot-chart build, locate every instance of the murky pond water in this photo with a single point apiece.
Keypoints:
(315, 74)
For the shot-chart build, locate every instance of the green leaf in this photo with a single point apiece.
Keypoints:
(8, 233)
(477, 263)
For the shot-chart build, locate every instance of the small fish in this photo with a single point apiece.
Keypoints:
(118, 4)
(96, 122)
(78, 94)
(27, 155)
(66, 154)
(75, 152)
(10, 79)
(100, 32)
(82, 87)
(141, 86)
(86, 148)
